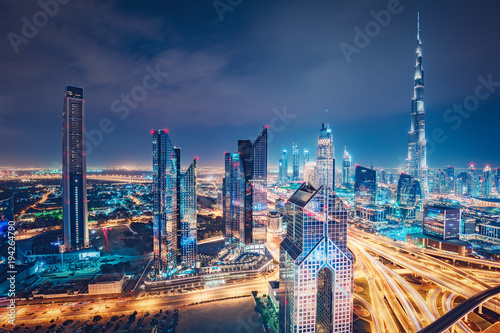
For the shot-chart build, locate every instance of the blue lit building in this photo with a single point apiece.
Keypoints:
(295, 166)
(245, 194)
(365, 186)
(174, 208)
(346, 169)
(188, 216)
(283, 166)
(316, 268)
(441, 222)
(74, 171)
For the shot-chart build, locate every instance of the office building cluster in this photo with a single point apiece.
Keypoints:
(244, 194)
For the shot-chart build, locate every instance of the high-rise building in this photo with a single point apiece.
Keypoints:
(316, 268)
(233, 199)
(365, 186)
(346, 168)
(74, 172)
(245, 194)
(416, 163)
(472, 182)
(306, 156)
(310, 173)
(174, 208)
(295, 169)
(459, 187)
(165, 204)
(487, 182)
(283, 166)
(409, 192)
(497, 179)
(441, 222)
(325, 160)
(188, 216)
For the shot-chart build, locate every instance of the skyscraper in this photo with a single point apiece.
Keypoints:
(283, 167)
(174, 208)
(472, 182)
(188, 216)
(165, 204)
(365, 186)
(245, 194)
(74, 182)
(306, 159)
(325, 160)
(409, 192)
(295, 170)
(416, 163)
(346, 168)
(233, 197)
(316, 268)
(487, 181)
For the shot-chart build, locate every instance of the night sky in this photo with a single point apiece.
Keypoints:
(231, 74)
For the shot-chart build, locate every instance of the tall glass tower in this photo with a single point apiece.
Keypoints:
(165, 204)
(233, 198)
(416, 163)
(346, 168)
(325, 160)
(188, 215)
(295, 170)
(74, 172)
(283, 167)
(316, 268)
(245, 194)
(365, 186)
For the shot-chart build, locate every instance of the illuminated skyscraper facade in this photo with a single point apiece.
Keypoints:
(325, 160)
(316, 269)
(441, 222)
(346, 168)
(74, 172)
(233, 198)
(409, 192)
(174, 208)
(365, 186)
(188, 214)
(165, 204)
(487, 184)
(472, 183)
(295, 167)
(283, 166)
(416, 163)
(245, 194)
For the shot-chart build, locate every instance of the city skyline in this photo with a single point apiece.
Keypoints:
(200, 65)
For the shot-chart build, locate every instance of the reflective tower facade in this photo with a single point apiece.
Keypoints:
(365, 186)
(233, 198)
(325, 160)
(188, 214)
(74, 171)
(316, 269)
(245, 193)
(487, 181)
(416, 163)
(346, 168)
(295, 169)
(165, 204)
(283, 166)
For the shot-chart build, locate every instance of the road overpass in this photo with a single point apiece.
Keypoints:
(453, 316)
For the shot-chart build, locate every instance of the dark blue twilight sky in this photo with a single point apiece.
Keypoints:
(226, 76)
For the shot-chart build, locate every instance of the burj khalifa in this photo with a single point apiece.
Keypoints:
(416, 163)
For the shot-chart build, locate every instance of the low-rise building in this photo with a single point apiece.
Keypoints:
(274, 288)
(453, 246)
(107, 284)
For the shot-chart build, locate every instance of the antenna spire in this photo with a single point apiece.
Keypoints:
(418, 25)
